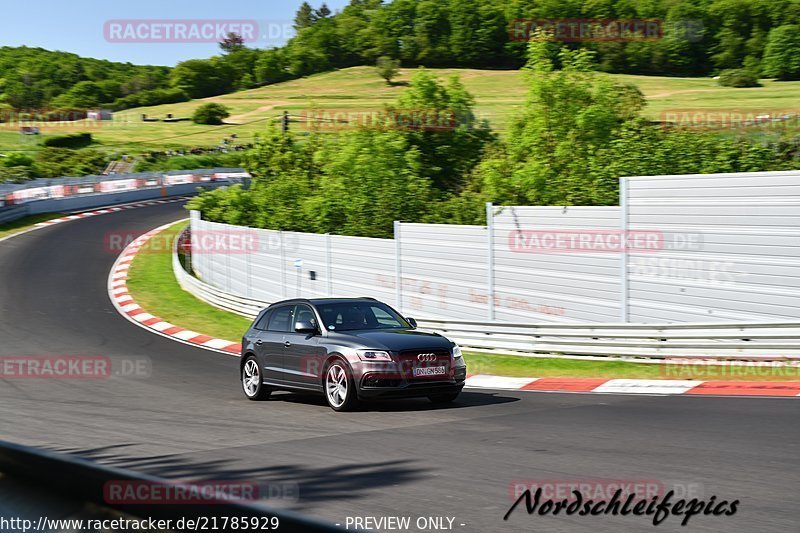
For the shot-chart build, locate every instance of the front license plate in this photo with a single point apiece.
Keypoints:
(430, 371)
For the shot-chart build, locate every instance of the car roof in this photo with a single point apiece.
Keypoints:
(323, 301)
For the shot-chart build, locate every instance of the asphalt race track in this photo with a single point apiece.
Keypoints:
(189, 419)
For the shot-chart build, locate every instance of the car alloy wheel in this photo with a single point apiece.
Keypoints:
(339, 388)
(254, 389)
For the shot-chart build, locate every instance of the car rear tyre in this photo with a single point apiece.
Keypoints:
(340, 390)
(252, 383)
(444, 398)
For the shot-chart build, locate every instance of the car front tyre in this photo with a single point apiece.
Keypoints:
(340, 390)
(252, 384)
(444, 398)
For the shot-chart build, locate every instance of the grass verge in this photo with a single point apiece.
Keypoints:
(516, 366)
(21, 224)
(154, 287)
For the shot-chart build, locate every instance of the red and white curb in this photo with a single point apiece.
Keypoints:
(95, 212)
(125, 304)
(657, 387)
(106, 210)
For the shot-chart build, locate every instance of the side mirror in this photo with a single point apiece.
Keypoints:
(305, 327)
(412, 322)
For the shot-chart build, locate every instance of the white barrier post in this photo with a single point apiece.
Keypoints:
(397, 267)
(490, 257)
(623, 255)
(228, 272)
(328, 264)
(248, 256)
(283, 263)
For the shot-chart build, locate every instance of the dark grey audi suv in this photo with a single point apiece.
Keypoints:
(349, 349)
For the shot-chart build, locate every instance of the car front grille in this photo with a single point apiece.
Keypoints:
(433, 358)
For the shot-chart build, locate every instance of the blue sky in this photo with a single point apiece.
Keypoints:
(77, 26)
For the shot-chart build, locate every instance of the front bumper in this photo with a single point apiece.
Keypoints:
(380, 384)
(410, 390)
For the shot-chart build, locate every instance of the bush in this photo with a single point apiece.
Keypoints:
(75, 140)
(150, 98)
(15, 174)
(738, 78)
(387, 68)
(782, 53)
(212, 114)
(189, 162)
(57, 162)
(16, 159)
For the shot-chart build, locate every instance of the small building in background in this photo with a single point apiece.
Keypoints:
(99, 114)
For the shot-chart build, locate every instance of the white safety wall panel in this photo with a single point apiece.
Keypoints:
(261, 279)
(444, 270)
(731, 247)
(363, 266)
(304, 253)
(557, 264)
(250, 267)
(279, 264)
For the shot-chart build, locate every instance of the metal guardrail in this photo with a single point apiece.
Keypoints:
(738, 341)
(78, 479)
(11, 213)
(772, 342)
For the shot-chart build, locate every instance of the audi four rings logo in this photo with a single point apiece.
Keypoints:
(426, 357)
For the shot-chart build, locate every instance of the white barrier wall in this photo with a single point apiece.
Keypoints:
(731, 247)
(443, 268)
(704, 248)
(540, 272)
(275, 265)
(363, 266)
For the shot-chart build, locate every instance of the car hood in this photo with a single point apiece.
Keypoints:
(399, 340)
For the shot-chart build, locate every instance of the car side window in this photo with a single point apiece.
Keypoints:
(303, 313)
(262, 322)
(282, 319)
(383, 318)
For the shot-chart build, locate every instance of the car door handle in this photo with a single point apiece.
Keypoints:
(259, 341)
(287, 343)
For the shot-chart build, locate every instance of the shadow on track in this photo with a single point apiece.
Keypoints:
(338, 482)
(466, 399)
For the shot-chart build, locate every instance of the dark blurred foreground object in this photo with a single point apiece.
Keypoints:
(35, 483)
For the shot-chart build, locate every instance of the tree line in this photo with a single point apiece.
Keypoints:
(34, 78)
(697, 37)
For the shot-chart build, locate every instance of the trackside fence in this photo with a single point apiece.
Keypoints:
(717, 248)
(750, 342)
(74, 193)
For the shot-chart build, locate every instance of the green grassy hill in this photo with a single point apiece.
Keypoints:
(354, 93)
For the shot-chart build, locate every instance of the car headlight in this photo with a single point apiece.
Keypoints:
(373, 355)
(456, 351)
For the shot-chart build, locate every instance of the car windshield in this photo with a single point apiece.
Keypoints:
(351, 316)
